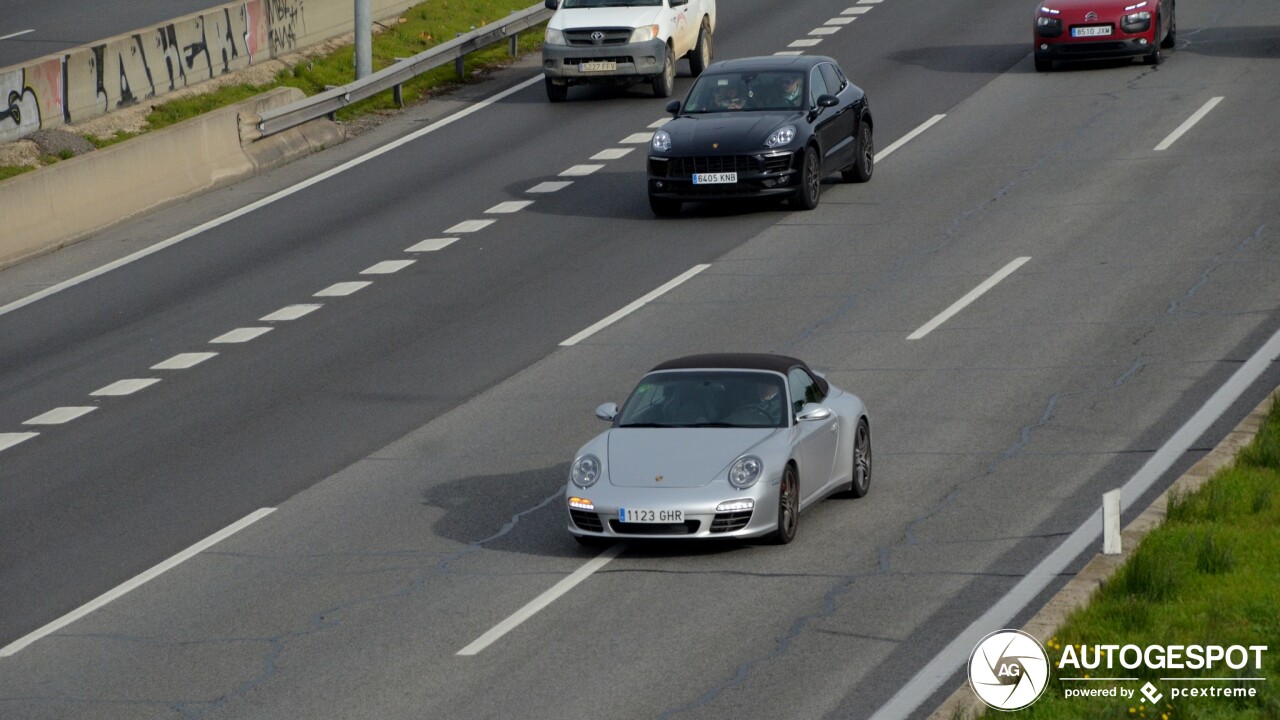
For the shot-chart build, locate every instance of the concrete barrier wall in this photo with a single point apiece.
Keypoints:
(66, 201)
(129, 69)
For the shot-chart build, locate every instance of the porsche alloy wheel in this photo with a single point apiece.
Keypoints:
(701, 56)
(865, 162)
(861, 461)
(664, 84)
(810, 180)
(788, 507)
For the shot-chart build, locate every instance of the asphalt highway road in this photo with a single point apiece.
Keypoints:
(413, 436)
(29, 30)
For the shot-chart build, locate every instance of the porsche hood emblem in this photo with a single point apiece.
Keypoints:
(715, 146)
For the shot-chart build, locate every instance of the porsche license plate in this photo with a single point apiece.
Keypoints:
(600, 66)
(715, 178)
(1091, 31)
(631, 515)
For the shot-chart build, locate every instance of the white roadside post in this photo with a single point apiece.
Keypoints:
(1111, 523)
(364, 39)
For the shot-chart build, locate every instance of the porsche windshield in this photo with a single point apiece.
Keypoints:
(611, 3)
(746, 92)
(707, 399)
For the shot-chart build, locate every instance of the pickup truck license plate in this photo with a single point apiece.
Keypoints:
(627, 515)
(601, 66)
(715, 178)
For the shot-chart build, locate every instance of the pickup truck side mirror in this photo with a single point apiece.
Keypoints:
(552, 4)
(678, 3)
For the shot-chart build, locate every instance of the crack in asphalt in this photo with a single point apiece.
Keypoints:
(1215, 262)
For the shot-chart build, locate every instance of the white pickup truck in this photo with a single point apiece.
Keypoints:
(623, 42)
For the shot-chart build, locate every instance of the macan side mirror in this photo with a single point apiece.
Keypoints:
(827, 101)
(813, 412)
(607, 411)
(673, 107)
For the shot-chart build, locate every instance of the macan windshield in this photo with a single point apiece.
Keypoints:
(711, 398)
(610, 3)
(746, 92)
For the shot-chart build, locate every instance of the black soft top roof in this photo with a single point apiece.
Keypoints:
(740, 361)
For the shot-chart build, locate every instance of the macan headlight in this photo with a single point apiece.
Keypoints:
(585, 471)
(661, 141)
(745, 471)
(782, 136)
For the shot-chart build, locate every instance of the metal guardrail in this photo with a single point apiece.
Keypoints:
(393, 76)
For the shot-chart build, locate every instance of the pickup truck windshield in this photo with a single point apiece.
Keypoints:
(610, 3)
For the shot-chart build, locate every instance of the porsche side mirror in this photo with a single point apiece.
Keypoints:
(607, 411)
(673, 107)
(812, 412)
(827, 101)
(552, 4)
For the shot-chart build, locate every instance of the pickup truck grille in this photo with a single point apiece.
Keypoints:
(609, 36)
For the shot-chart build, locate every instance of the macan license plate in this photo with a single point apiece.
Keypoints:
(626, 515)
(715, 178)
(1091, 31)
(601, 66)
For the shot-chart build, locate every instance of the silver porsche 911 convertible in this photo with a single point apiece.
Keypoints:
(729, 445)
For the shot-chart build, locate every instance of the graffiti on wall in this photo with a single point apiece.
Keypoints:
(288, 23)
(27, 96)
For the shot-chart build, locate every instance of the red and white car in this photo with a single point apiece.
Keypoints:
(1101, 29)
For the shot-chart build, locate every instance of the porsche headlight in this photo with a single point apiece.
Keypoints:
(644, 34)
(782, 136)
(745, 471)
(661, 141)
(554, 37)
(585, 471)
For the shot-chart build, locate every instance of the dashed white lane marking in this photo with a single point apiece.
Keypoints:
(659, 123)
(125, 387)
(17, 34)
(789, 52)
(580, 170)
(343, 289)
(183, 361)
(810, 42)
(613, 153)
(136, 582)
(908, 137)
(241, 335)
(824, 31)
(290, 312)
(969, 297)
(636, 139)
(386, 267)
(855, 11)
(840, 21)
(1196, 117)
(470, 226)
(509, 206)
(870, 2)
(432, 245)
(635, 305)
(550, 186)
(952, 657)
(543, 600)
(58, 416)
(8, 440)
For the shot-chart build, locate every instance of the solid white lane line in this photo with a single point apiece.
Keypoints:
(953, 657)
(8, 440)
(636, 139)
(290, 312)
(222, 220)
(470, 226)
(855, 11)
(432, 245)
(136, 582)
(543, 600)
(510, 206)
(580, 170)
(908, 137)
(1196, 117)
(182, 361)
(550, 186)
(343, 289)
(614, 153)
(125, 387)
(659, 123)
(58, 416)
(840, 21)
(17, 34)
(635, 305)
(804, 43)
(969, 297)
(824, 30)
(241, 335)
(386, 267)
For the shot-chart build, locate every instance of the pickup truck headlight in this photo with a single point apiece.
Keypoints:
(644, 34)
(554, 37)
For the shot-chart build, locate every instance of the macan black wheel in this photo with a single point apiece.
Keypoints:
(701, 56)
(664, 207)
(664, 83)
(861, 482)
(865, 162)
(788, 507)
(810, 180)
(556, 92)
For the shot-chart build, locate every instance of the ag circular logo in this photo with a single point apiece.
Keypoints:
(1008, 669)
